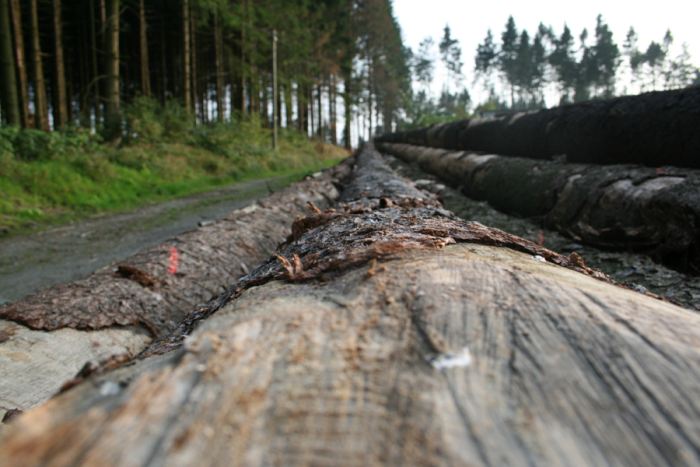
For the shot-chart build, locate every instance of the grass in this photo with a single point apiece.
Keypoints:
(49, 178)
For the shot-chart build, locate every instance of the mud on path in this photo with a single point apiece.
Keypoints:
(627, 267)
(70, 252)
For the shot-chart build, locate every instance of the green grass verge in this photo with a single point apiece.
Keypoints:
(49, 178)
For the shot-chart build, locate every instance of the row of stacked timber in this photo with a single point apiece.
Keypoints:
(385, 330)
(653, 129)
(655, 211)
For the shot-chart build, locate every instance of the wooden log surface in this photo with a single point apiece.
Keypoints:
(656, 211)
(48, 338)
(653, 129)
(412, 338)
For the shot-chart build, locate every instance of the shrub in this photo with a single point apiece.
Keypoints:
(144, 119)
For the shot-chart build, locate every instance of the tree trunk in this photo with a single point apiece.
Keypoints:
(614, 206)
(196, 88)
(218, 59)
(20, 60)
(288, 104)
(122, 307)
(61, 104)
(40, 101)
(310, 104)
(243, 70)
(653, 129)
(112, 82)
(143, 55)
(8, 90)
(186, 68)
(332, 101)
(386, 332)
(319, 94)
(95, 66)
(302, 108)
(347, 109)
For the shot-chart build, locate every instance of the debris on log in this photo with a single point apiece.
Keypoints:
(628, 267)
(385, 331)
(46, 338)
(631, 207)
(653, 129)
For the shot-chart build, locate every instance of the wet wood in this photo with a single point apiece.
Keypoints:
(47, 338)
(655, 211)
(450, 352)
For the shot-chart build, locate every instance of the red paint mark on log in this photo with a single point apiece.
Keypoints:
(173, 261)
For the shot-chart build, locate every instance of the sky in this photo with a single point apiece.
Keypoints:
(469, 21)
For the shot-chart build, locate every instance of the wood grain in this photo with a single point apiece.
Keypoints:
(564, 370)
(450, 354)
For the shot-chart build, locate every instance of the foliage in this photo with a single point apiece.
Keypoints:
(47, 177)
(527, 64)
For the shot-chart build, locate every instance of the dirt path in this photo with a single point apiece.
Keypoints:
(63, 254)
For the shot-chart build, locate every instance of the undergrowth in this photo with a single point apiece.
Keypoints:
(58, 176)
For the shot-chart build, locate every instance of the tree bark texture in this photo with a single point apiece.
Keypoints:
(386, 331)
(112, 113)
(186, 68)
(143, 55)
(21, 62)
(8, 89)
(61, 105)
(652, 129)
(614, 206)
(46, 339)
(40, 100)
(218, 58)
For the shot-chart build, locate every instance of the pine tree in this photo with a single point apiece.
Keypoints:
(451, 55)
(485, 60)
(507, 60)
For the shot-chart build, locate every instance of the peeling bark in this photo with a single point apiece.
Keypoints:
(386, 332)
(653, 210)
(652, 129)
(117, 311)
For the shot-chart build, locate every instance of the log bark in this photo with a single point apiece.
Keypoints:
(652, 129)
(388, 332)
(47, 338)
(656, 211)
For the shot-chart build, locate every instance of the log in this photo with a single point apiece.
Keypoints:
(388, 332)
(652, 129)
(115, 313)
(656, 211)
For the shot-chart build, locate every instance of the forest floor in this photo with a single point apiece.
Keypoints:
(69, 252)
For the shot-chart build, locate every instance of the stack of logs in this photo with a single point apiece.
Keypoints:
(383, 330)
(620, 173)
